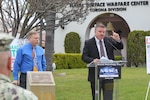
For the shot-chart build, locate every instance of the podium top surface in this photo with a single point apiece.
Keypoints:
(113, 63)
(40, 77)
(107, 62)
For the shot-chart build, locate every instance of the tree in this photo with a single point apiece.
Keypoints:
(17, 16)
(59, 13)
(56, 13)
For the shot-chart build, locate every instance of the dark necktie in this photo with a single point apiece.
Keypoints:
(101, 49)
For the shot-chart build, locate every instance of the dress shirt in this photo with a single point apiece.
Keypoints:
(98, 46)
(24, 60)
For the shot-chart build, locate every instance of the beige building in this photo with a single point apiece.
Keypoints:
(126, 16)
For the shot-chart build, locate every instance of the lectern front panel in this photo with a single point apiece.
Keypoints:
(109, 72)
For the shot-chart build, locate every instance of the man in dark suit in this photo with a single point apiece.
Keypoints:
(92, 53)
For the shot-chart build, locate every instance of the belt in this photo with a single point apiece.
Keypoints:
(23, 73)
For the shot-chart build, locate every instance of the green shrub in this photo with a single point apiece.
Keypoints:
(71, 60)
(72, 43)
(118, 57)
(136, 48)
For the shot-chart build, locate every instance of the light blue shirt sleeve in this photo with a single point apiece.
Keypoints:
(17, 64)
(44, 63)
(41, 59)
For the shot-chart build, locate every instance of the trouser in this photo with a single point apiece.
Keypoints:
(106, 86)
(23, 80)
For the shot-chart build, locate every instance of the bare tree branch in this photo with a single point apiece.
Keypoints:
(24, 15)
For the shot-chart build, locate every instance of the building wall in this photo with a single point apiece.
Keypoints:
(136, 15)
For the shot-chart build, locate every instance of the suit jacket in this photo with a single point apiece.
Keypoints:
(90, 52)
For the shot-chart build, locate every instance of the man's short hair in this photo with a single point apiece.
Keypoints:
(100, 25)
(29, 34)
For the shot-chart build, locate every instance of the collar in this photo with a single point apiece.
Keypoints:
(5, 78)
(97, 40)
(30, 45)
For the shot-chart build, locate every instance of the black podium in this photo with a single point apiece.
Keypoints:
(107, 69)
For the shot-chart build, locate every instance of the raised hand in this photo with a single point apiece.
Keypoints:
(115, 36)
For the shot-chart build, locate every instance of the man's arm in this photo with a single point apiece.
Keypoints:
(17, 64)
(116, 41)
(86, 52)
(44, 63)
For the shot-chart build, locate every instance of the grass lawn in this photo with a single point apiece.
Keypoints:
(74, 85)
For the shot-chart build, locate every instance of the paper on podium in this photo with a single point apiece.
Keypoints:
(102, 60)
(106, 61)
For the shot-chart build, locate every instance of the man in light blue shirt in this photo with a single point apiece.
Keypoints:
(29, 57)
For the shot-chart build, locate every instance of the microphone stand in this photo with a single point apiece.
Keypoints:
(123, 59)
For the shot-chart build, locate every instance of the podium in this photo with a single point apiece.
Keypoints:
(106, 69)
(41, 84)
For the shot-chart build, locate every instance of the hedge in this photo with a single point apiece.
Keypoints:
(136, 51)
(71, 60)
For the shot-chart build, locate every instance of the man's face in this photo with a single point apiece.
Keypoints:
(34, 40)
(100, 32)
